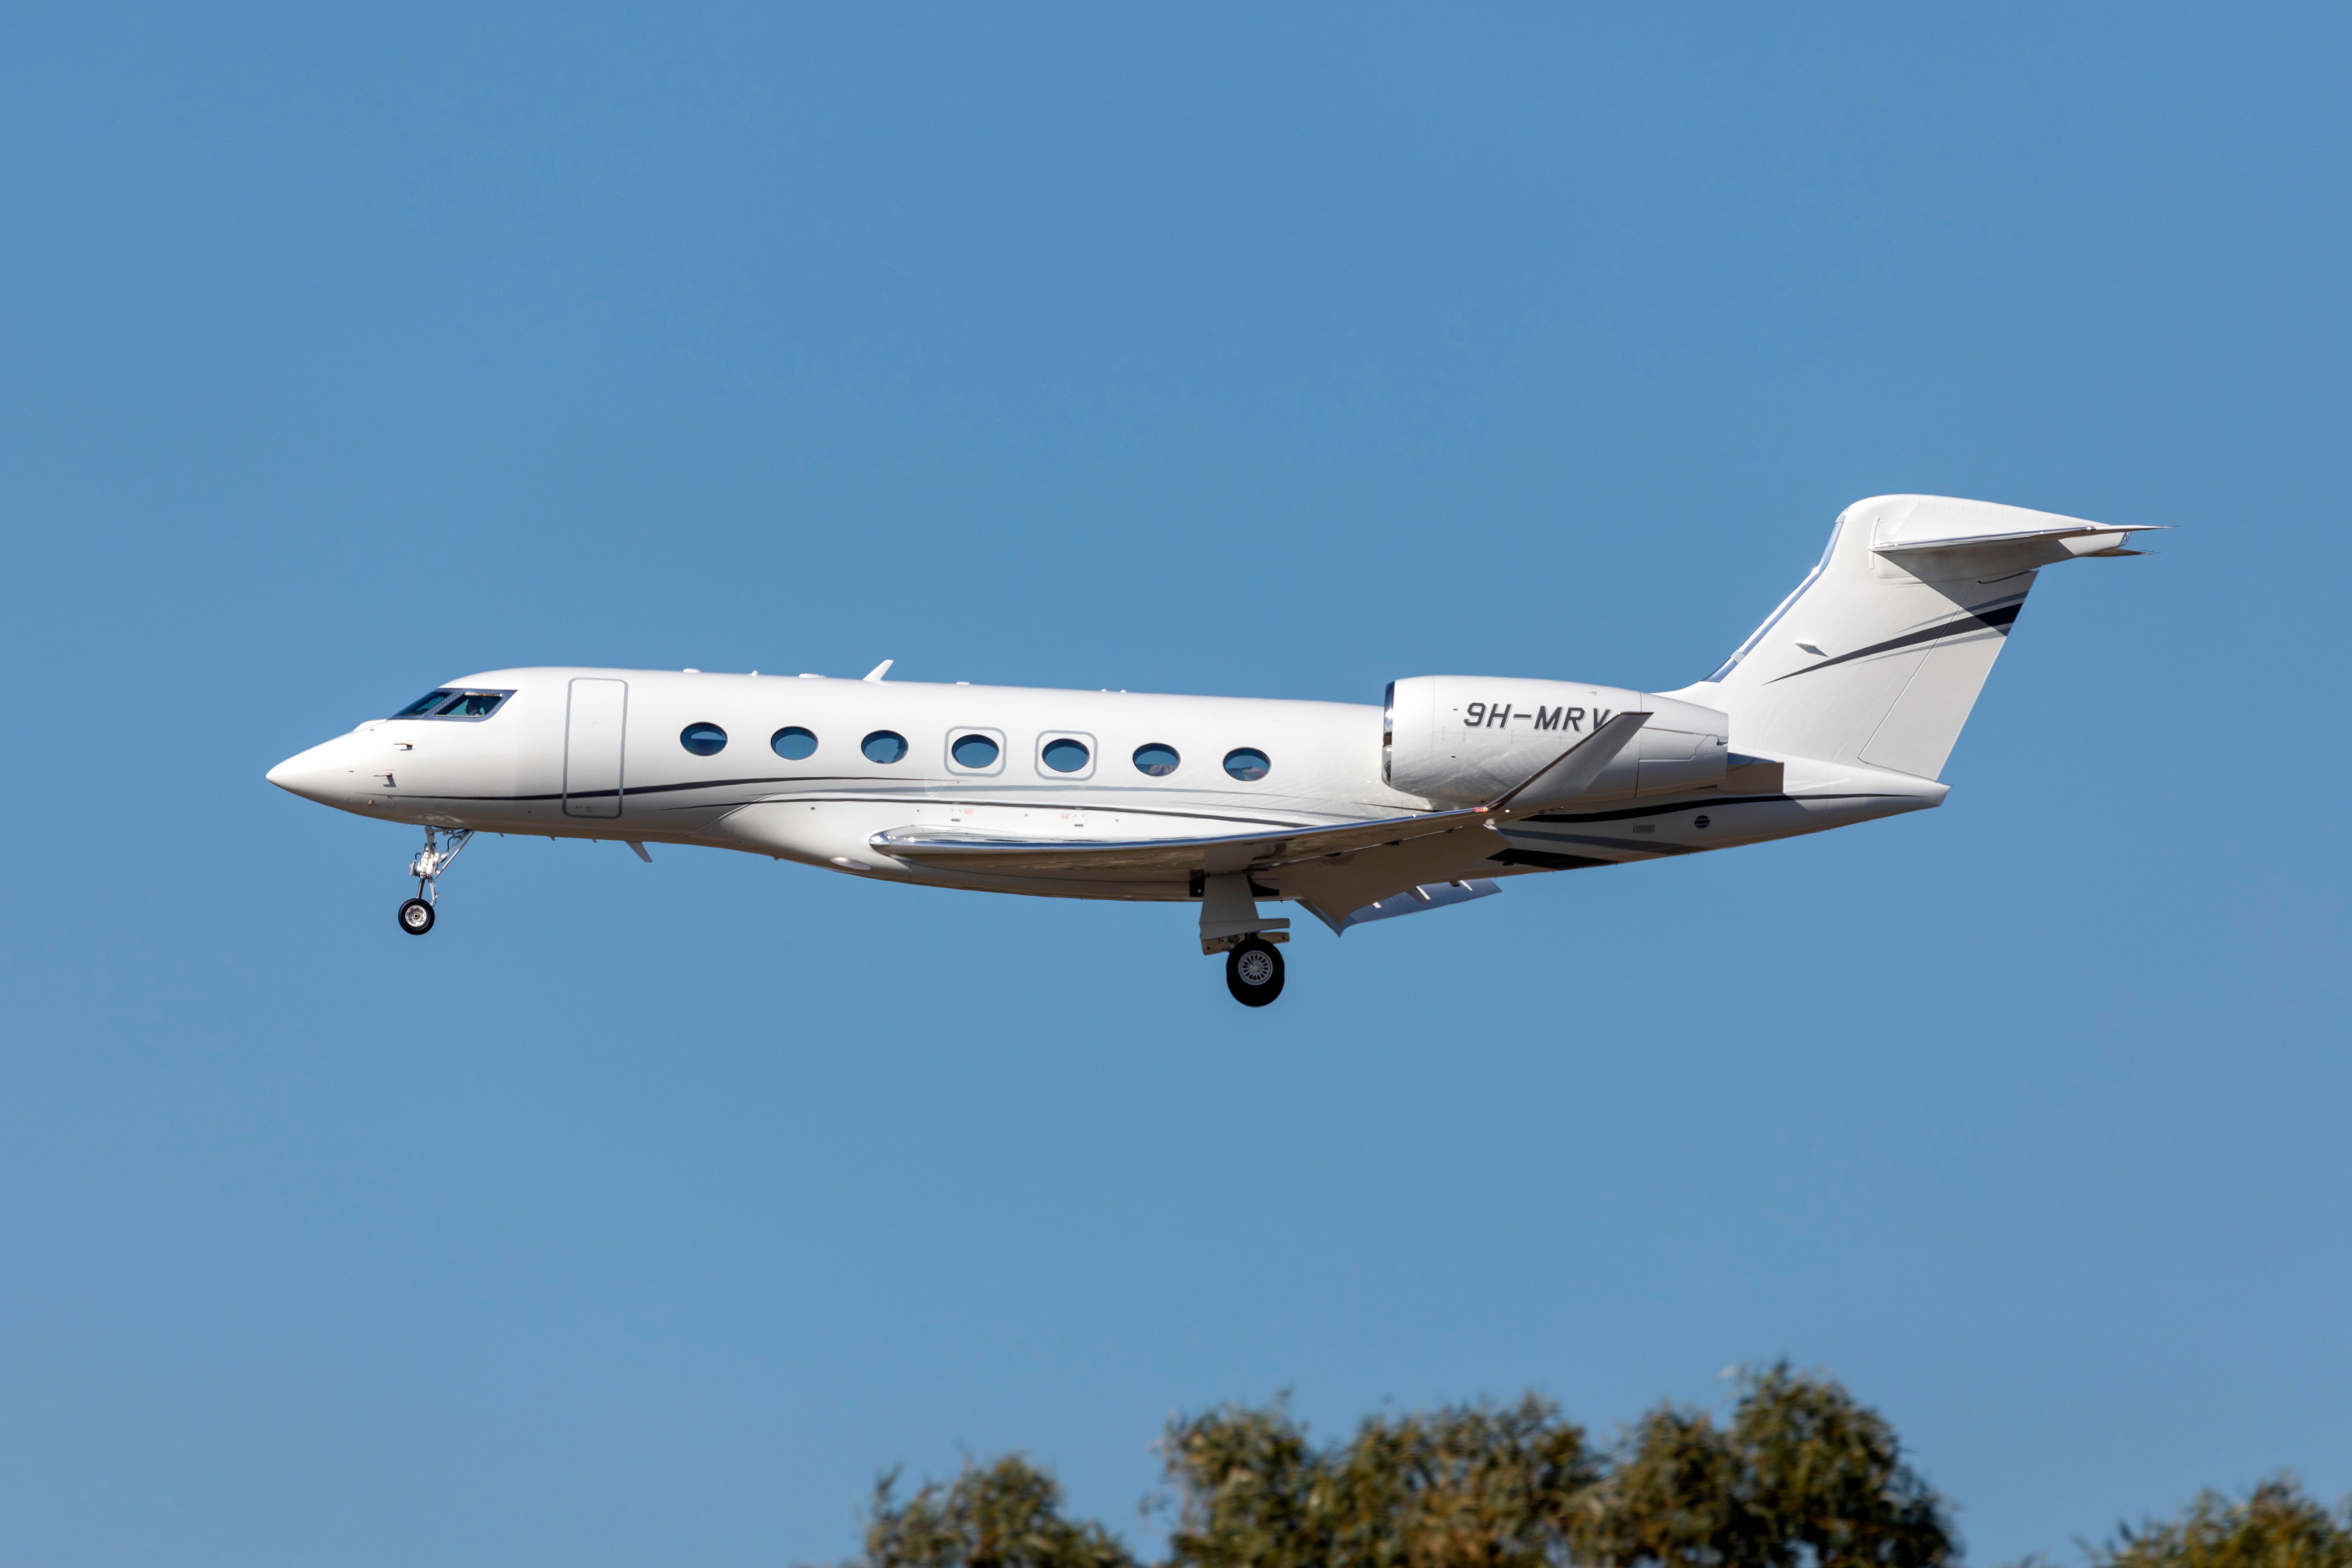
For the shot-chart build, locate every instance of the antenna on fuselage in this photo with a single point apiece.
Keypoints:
(878, 670)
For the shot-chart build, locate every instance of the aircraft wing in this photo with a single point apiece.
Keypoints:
(1220, 853)
(1562, 779)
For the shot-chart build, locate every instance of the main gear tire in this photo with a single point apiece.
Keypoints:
(416, 917)
(1254, 972)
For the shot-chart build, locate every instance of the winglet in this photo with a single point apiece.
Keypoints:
(1570, 774)
(878, 670)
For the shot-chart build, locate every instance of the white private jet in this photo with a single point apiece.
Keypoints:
(1841, 707)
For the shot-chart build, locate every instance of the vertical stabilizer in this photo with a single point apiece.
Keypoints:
(1878, 655)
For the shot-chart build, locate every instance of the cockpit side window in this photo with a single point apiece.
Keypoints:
(449, 704)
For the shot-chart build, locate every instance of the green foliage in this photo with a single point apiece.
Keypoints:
(1671, 1497)
(1005, 1515)
(1252, 1491)
(1801, 1474)
(2278, 1526)
(1469, 1485)
(1803, 1471)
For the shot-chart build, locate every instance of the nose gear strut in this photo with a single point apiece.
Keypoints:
(417, 914)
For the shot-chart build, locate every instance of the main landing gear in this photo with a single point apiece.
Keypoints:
(417, 914)
(1230, 923)
(1254, 972)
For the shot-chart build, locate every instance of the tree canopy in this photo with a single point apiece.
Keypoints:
(2276, 1526)
(1802, 1468)
(1466, 1485)
(1005, 1515)
(1798, 1475)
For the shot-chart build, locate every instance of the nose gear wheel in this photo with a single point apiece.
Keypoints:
(417, 914)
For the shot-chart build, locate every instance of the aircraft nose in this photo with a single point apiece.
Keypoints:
(316, 774)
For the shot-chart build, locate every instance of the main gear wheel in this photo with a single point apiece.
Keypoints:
(1254, 972)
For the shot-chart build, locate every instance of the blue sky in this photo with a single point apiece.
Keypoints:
(646, 1213)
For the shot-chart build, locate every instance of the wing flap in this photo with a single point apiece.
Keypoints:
(1414, 900)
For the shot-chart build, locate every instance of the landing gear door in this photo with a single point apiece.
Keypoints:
(593, 727)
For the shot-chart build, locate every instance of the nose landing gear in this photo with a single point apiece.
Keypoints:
(417, 914)
(1254, 972)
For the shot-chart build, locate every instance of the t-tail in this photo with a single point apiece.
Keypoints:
(1878, 655)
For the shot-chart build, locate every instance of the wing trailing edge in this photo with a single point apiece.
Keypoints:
(1213, 855)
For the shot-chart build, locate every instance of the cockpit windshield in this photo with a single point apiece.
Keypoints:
(449, 703)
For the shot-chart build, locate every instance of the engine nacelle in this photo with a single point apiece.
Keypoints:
(1462, 740)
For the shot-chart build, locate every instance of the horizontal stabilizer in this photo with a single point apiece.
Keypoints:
(2101, 539)
(1926, 526)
